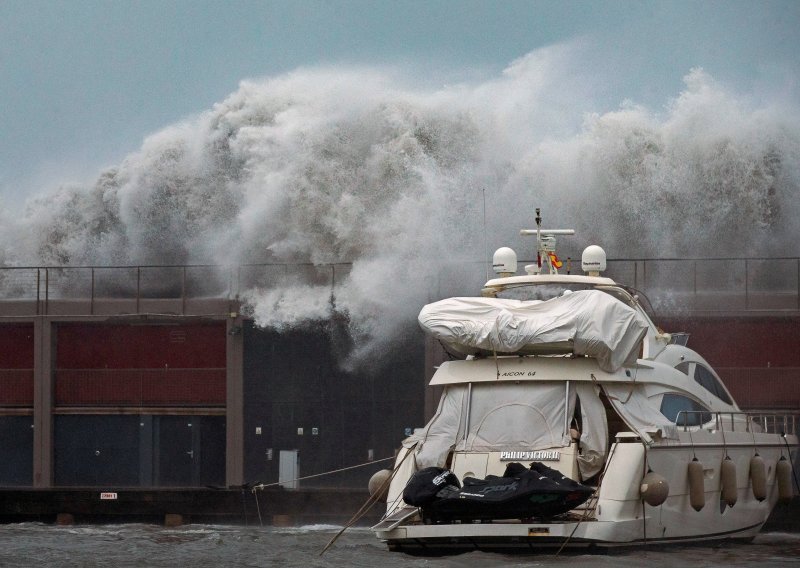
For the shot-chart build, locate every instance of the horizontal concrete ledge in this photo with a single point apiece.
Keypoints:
(221, 506)
(137, 410)
(275, 506)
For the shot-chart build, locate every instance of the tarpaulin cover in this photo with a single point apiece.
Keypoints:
(587, 322)
(520, 493)
(487, 417)
(594, 437)
(504, 416)
(635, 408)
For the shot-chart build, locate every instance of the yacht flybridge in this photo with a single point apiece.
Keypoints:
(570, 419)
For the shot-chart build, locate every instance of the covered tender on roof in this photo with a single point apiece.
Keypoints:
(587, 322)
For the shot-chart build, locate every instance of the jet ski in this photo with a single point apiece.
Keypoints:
(520, 493)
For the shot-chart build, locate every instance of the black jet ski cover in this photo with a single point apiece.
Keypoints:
(423, 486)
(520, 493)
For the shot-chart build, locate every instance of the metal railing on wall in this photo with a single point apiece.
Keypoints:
(714, 284)
(719, 284)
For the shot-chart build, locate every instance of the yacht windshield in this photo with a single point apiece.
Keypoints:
(541, 292)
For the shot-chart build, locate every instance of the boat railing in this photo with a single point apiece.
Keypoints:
(756, 422)
(777, 423)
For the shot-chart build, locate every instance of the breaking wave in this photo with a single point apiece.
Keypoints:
(359, 166)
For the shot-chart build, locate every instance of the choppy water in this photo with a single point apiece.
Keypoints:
(33, 544)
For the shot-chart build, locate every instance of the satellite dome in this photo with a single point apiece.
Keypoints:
(593, 260)
(504, 261)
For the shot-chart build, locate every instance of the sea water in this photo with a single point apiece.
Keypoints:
(197, 546)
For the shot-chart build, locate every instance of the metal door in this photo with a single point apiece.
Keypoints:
(288, 471)
(96, 450)
(16, 447)
(175, 450)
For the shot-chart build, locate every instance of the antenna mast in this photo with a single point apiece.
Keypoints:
(485, 237)
(545, 246)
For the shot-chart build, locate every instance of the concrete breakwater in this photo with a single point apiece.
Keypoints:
(272, 506)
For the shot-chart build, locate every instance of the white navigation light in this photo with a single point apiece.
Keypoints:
(504, 261)
(593, 260)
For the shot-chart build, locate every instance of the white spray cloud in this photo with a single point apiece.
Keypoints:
(354, 165)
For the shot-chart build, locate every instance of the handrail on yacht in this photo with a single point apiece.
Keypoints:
(772, 423)
(777, 423)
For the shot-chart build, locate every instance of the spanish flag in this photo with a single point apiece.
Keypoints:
(554, 259)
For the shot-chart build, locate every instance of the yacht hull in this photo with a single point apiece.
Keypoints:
(536, 537)
(618, 517)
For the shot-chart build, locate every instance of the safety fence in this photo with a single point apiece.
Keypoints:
(673, 285)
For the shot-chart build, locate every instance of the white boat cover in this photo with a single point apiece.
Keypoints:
(502, 416)
(587, 322)
(632, 404)
(594, 435)
(525, 416)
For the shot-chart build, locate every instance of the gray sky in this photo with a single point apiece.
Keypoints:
(83, 82)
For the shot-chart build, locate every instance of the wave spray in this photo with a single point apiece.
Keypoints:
(354, 165)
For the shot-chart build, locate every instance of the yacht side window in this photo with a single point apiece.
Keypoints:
(684, 411)
(708, 381)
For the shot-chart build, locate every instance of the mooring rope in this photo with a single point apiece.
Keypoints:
(265, 485)
(587, 512)
(367, 504)
(258, 508)
(791, 465)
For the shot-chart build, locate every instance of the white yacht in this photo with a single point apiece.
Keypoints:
(569, 371)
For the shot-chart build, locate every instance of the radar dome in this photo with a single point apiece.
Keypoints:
(504, 261)
(593, 260)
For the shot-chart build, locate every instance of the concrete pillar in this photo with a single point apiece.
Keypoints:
(282, 521)
(173, 520)
(44, 362)
(234, 407)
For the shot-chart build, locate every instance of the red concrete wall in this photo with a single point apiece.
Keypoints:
(140, 365)
(758, 358)
(16, 346)
(742, 342)
(16, 365)
(88, 346)
(140, 387)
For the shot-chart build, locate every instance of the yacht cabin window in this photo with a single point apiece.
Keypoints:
(684, 411)
(705, 378)
(708, 381)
